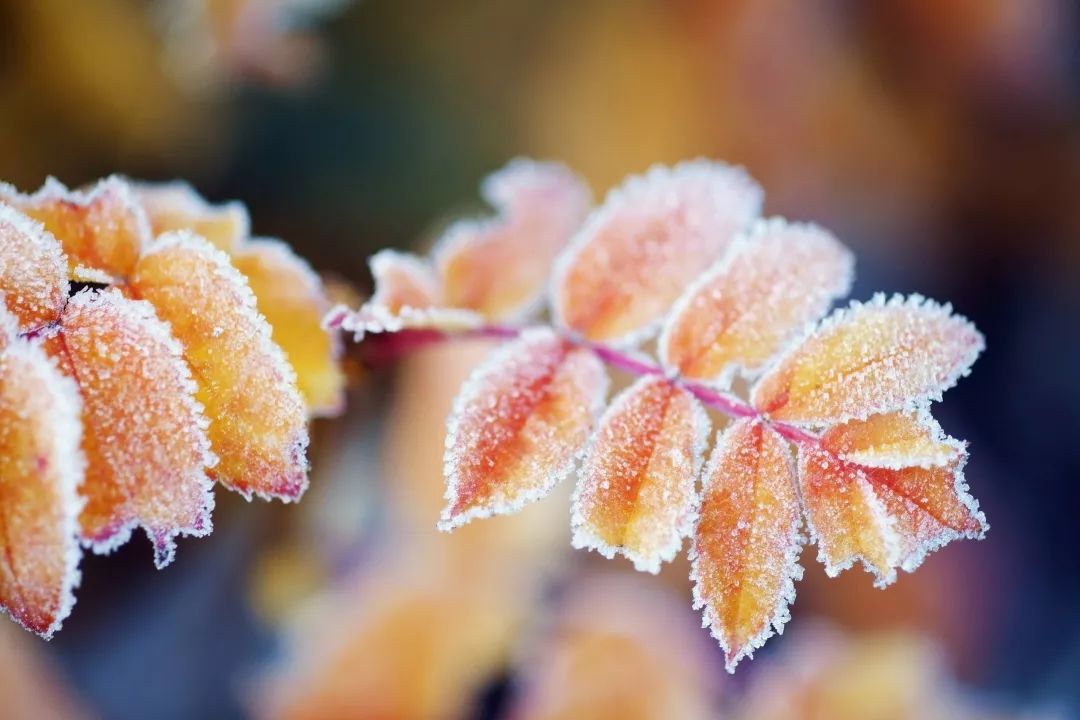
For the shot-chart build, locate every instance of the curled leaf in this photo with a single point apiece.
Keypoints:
(635, 493)
(747, 541)
(499, 266)
(291, 297)
(177, 206)
(847, 519)
(743, 310)
(877, 357)
(144, 434)
(41, 468)
(893, 440)
(651, 237)
(102, 230)
(33, 271)
(518, 425)
(258, 421)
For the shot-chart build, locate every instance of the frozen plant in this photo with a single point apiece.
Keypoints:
(833, 443)
(148, 349)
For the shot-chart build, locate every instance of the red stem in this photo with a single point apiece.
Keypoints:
(391, 346)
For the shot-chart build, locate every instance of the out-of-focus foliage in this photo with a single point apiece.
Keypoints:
(426, 621)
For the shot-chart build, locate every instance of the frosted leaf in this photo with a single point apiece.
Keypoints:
(41, 467)
(499, 266)
(33, 270)
(847, 519)
(893, 440)
(635, 494)
(291, 297)
(651, 237)
(747, 541)
(930, 507)
(258, 421)
(177, 206)
(877, 357)
(408, 296)
(144, 434)
(102, 230)
(518, 425)
(747, 306)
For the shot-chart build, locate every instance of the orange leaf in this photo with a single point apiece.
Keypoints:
(41, 467)
(33, 271)
(847, 519)
(635, 493)
(408, 295)
(518, 425)
(639, 250)
(930, 507)
(742, 311)
(144, 434)
(746, 543)
(290, 296)
(102, 230)
(176, 206)
(876, 357)
(893, 440)
(499, 266)
(258, 422)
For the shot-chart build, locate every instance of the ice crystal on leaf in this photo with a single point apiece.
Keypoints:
(747, 542)
(41, 469)
(120, 405)
(33, 271)
(877, 357)
(493, 269)
(176, 206)
(144, 435)
(101, 230)
(499, 267)
(836, 431)
(258, 425)
(518, 425)
(748, 305)
(635, 494)
(652, 236)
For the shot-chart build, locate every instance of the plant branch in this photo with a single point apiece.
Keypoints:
(380, 349)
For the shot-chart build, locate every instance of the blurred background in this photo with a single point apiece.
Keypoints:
(940, 139)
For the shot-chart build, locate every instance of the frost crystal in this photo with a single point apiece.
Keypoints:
(499, 267)
(638, 251)
(518, 425)
(258, 421)
(41, 468)
(635, 494)
(102, 230)
(33, 272)
(145, 436)
(176, 206)
(292, 299)
(742, 311)
(746, 543)
(872, 358)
